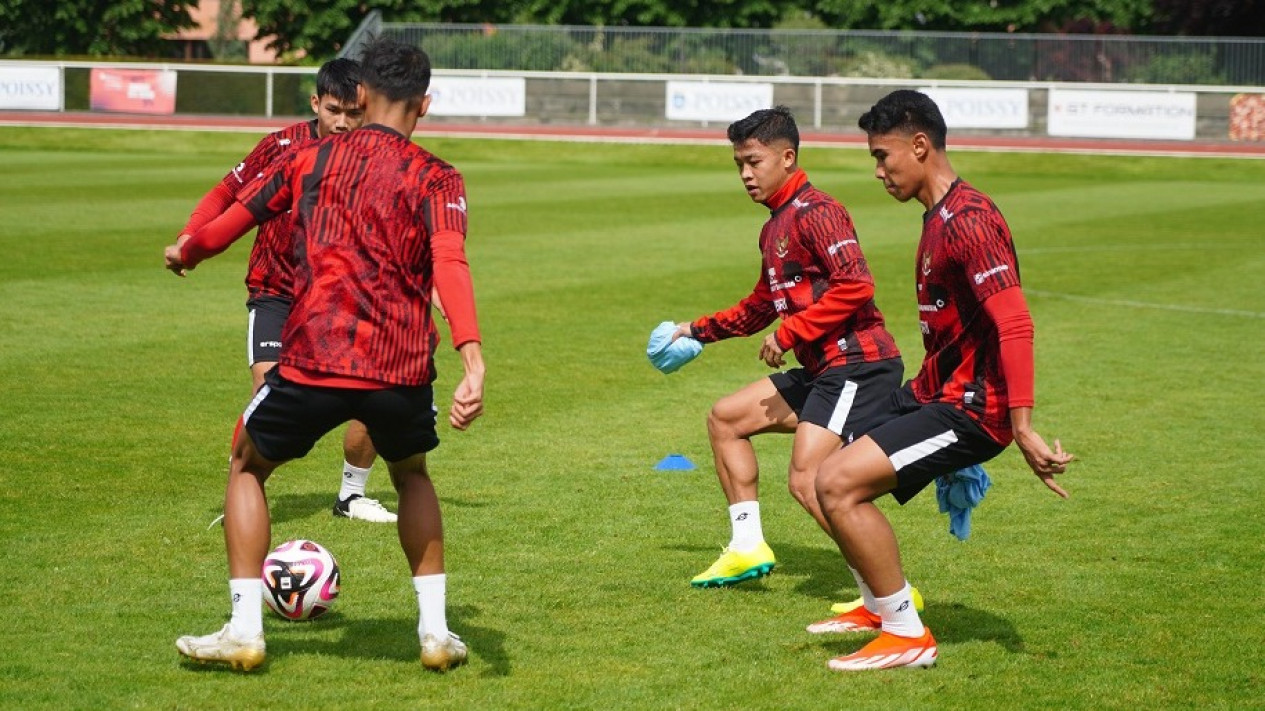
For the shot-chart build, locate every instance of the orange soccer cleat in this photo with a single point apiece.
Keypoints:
(888, 651)
(858, 619)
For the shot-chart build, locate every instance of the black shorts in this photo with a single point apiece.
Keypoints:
(928, 440)
(848, 400)
(266, 318)
(286, 419)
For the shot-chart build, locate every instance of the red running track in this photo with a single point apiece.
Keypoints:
(621, 134)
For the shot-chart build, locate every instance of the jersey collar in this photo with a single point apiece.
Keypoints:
(795, 183)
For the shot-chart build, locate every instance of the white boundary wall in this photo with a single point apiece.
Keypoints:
(1171, 112)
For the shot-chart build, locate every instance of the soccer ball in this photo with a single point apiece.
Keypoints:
(300, 580)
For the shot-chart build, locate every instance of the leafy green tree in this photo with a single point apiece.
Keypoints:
(984, 16)
(91, 27)
(1226, 18)
(317, 29)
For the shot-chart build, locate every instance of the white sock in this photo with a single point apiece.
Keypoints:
(744, 516)
(867, 595)
(247, 595)
(432, 617)
(354, 480)
(900, 617)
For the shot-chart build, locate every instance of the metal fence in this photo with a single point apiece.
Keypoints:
(834, 53)
(829, 104)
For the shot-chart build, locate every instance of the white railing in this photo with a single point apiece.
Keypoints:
(606, 99)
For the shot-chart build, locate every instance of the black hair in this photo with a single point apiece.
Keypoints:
(397, 70)
(908, 111)
(766, 126)
(338, 78)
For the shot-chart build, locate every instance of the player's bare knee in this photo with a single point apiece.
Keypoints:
(837, 487)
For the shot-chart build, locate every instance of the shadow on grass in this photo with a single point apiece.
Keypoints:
(289, 507)
(392, 639)
(823, 575)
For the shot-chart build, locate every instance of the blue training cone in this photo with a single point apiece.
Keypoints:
(674, 462)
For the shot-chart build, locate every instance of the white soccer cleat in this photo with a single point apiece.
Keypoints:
(359, 508)
(443, 654)
(222, 646)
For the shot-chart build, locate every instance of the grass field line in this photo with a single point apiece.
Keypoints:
(1129, 303)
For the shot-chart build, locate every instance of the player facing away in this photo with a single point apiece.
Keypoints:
(378, 222)
(814, 277)
(971, 397)
(270, 273)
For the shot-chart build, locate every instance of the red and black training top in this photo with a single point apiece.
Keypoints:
(815, 278)
(966, 257)
(270, 270)
(378, 222)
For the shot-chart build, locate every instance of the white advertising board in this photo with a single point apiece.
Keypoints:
(715, 101)
(28, 87)
(478, 96)
(1122, 114)
(981, 108)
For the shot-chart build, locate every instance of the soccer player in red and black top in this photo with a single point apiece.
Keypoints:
(270, 272)
(378, 222)
(972, 396)
(815, 279)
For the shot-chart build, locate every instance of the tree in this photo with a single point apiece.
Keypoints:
(317, 29)
(1227, 18)
(91, 27)
(984, 16)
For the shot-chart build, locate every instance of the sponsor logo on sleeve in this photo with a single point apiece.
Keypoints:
(979, 278)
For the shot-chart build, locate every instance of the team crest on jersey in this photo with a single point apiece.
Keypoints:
(926, 264)
(783, 246)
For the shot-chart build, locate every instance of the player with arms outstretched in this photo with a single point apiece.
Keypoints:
(270, 273)
(378, 222)
(972, 396)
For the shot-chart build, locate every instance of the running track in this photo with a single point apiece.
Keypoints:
(604, 134)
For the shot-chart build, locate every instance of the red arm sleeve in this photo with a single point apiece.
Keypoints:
(217, 235)
(1008, 309)
(212, 205)
(838, 304)
(746, 317)
(456, 288)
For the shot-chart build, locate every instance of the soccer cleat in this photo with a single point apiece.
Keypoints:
(735, 566)
(858, 619)
(841, 607)
(244, 654)
(358, 507)
(888, 651)
(443, 654)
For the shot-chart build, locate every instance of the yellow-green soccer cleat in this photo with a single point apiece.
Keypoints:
(840, 608)
(735, 566)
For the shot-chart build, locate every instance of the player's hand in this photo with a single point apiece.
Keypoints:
(171, 255)
(467, 401)
(1045, 462)
(682, 331)
(771, 353)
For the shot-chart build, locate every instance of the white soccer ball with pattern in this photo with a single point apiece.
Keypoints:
(300, 580)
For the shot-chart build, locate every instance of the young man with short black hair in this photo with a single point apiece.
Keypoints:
(972, 396)
(379, 222)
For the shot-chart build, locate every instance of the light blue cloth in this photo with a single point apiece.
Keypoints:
(668, 355)
(958, 493)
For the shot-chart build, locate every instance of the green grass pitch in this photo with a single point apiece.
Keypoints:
(568, 556)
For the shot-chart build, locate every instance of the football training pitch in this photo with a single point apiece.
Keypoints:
(569, 556)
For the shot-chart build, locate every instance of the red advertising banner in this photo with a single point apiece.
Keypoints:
(1247, 117)
(135, 91)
